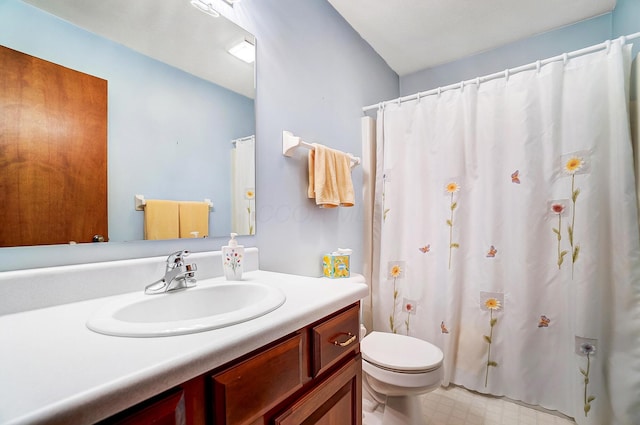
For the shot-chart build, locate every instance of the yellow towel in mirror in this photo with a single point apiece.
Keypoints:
(160, 219)
(194, 217)
(330, 178)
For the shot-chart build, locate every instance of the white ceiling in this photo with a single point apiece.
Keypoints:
(171, 31)
(411, 35)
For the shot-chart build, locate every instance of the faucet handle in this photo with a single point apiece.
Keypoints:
(175, 259)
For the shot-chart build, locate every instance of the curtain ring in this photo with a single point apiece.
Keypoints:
(565, 58)
(478, 81)
(439, 91)
(418, 97)
(623, 40)
(506, 74)
(608, 45)
(538, 66)
(462, 86)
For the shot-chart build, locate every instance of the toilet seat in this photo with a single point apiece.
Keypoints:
(400, 353)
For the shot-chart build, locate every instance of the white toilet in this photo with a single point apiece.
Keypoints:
(396, 369)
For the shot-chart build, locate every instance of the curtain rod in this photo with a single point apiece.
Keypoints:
(534, 65)
(242, 139)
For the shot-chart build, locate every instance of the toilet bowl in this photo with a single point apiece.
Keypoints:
(396, 369)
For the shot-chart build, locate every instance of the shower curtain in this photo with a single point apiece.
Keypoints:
(243, 181)
(509, 236)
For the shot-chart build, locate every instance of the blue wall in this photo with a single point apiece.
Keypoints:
(314, 75)
(624, 20)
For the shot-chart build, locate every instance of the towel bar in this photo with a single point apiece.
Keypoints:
(291, 142)
(140, 202)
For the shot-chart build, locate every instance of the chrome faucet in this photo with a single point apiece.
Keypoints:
(177, 275)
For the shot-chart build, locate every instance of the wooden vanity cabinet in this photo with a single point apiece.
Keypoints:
(312, 376)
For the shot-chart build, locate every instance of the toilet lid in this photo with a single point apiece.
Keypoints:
(400, 352)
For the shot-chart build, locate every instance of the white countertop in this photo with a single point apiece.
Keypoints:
(54, 370)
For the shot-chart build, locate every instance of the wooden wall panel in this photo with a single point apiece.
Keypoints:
(53, 152)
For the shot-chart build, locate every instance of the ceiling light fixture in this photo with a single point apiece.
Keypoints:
(205, 7)
(244, 50)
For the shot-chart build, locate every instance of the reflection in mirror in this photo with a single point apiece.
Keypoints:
(174, 104)
(243, 192)
(53, 152)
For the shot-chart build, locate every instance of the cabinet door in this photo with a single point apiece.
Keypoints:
(336, 400)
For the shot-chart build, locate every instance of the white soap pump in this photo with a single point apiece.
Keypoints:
(232, 259)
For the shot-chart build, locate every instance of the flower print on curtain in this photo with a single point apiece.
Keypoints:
(409, 308)
(395, 273)
(573, 164)
(558, 209)
(250, 195)
(491, 302)
(450, 189)
(586, 347)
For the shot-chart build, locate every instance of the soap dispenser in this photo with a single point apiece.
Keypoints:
(232, 259)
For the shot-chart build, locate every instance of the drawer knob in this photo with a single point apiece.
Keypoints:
(350, 340)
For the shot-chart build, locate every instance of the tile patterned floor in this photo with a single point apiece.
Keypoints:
(457, 406)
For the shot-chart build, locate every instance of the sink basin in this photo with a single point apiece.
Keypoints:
(203, 308)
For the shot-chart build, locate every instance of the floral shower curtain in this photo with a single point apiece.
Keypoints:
(509, 235)
(243, 181)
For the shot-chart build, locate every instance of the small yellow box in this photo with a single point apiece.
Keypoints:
(335, 266)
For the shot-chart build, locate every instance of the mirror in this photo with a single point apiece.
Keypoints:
(177, 100)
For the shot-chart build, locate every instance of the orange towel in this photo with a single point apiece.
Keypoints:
(194, 217)
(330, 178)
(160, 219)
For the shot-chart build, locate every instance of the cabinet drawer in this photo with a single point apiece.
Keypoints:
(249, 389)
(334, 338)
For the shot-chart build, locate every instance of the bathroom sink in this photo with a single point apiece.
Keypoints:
(203, 308)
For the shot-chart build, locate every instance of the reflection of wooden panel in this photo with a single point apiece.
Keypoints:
(53, 152)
